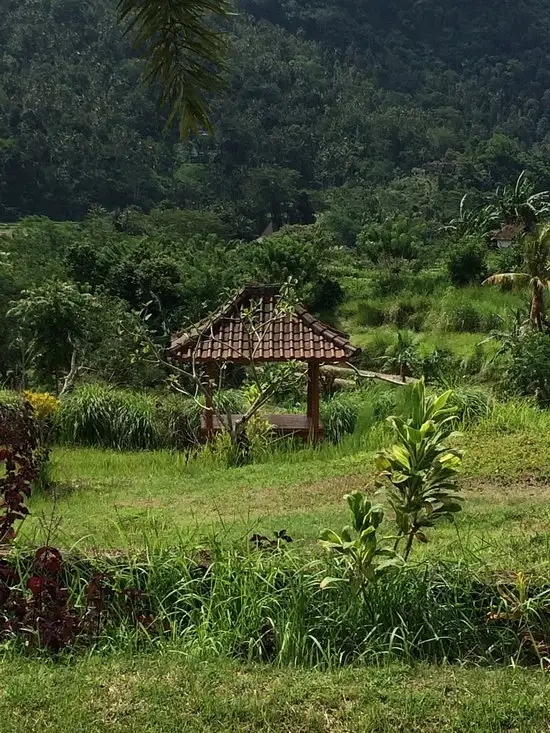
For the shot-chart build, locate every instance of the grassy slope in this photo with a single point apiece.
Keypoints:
(164, 694)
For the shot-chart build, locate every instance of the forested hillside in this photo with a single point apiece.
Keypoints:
(367, 105)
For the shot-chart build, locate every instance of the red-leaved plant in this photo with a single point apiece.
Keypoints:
(18, 444)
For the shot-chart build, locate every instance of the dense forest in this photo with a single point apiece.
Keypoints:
(357, 108)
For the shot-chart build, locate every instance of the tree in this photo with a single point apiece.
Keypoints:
(183, 50)
(536, 258)
(467, 263)
(57, 323)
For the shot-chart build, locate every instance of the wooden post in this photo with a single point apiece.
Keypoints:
(209, 411)
(313, 399)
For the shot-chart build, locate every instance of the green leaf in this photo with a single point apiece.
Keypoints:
(330, 582)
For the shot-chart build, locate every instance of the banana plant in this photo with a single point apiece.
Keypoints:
(418, 473)
(361, 553)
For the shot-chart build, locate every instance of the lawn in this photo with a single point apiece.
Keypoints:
(165, 694)
(120, 500)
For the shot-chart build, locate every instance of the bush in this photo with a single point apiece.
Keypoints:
(107, 417)
(463, 318)
(370, 315)
(98, 415)
(269, 605)
(528, 373)
(471, 404)
(440, 365)
(467, 265)
(18, 465)
(374, 349)
(339, 416)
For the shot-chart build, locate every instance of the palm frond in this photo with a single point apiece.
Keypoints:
(508, 278)
(183, 50)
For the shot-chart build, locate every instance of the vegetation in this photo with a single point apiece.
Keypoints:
(396, 178)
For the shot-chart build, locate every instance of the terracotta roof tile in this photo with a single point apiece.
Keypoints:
(268, 333)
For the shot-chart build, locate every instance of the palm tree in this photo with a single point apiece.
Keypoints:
(536, 257)
(184, 53)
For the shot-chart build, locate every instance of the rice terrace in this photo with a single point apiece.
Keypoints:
(275, 366)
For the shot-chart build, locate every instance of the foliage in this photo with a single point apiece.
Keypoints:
(180, 47)
(528, 369)
(44, 405)
(18, 443)
(339, 416)
(58, 322)
(363, 555)
(536, 262)
(401, 129)
(467, 264)
(397, 238)
(401, 357)
(419, 471)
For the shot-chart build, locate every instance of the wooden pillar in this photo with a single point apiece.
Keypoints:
(313, 398)
(209, 411)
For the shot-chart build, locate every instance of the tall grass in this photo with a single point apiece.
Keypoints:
(270, 606)
(98, 415)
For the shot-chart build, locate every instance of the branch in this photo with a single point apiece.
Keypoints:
(74, 371)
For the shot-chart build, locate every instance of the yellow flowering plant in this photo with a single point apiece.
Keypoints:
(44, 405)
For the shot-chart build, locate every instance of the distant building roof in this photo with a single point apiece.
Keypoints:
(507, 233)
(278, 334)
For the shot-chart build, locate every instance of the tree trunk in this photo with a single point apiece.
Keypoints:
(537, 306)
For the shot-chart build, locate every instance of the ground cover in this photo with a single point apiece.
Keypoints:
(165, 693)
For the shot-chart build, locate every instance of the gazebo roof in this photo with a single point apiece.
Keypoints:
(273, 334)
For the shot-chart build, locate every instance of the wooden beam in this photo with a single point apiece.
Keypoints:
(209, 411)
(314, 399)
(351, 372)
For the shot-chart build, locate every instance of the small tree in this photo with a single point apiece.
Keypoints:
(59, 329)
(419, 471)
(467, 264)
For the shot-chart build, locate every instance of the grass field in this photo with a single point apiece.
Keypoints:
(120, 500)
(164, 694)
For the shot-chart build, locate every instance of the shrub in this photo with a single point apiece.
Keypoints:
(18, 469)
(107, 417)
(467, 265)
(339, 416)
(471, 404)
(362, 554)
(419, 471)
(528, 373)
(374, 349)
(369, 314)
(409, 313)
(462, 318)
(440, 365)
(98, 415)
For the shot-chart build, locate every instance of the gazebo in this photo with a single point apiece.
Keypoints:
(255, 327)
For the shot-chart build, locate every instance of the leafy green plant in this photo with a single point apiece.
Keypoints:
(467, 264)
(362, 555)
(419, 471)
(402, 356)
